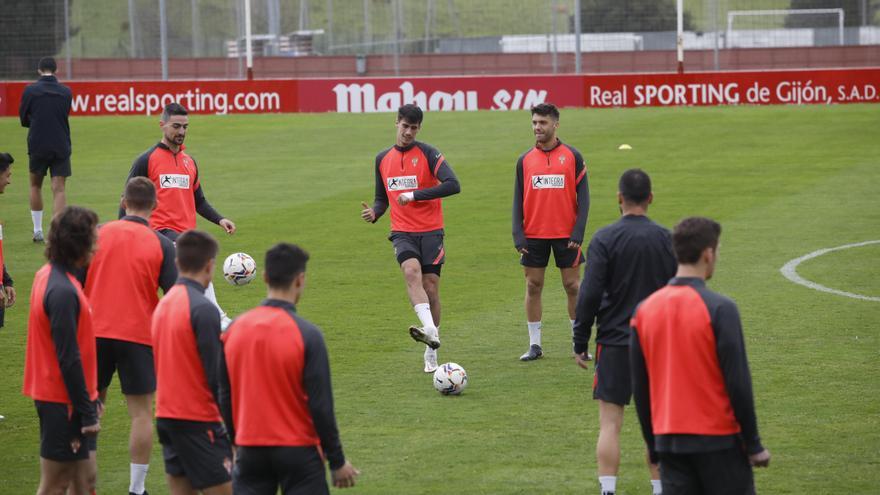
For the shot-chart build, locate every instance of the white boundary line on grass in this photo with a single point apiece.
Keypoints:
(789, 271)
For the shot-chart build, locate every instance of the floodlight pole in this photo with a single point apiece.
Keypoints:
(577, 36)
(249, 54)
(163, 39)
(680, 38)
(67, 56)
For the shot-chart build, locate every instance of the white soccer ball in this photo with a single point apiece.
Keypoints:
(450, 379)
(239, 269)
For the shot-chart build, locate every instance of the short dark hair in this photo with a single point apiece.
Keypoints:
(173, 109)
(47, 64)
(546, 110)
(692, 236)
(635, 186)
(71, 236)
(410, 113)
(140, 193)
(195, 249)
(284, 262)
(5, 161)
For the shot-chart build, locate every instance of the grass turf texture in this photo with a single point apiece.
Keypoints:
(783, 181)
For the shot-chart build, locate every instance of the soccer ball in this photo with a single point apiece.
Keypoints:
(450, 379)
(239, 269)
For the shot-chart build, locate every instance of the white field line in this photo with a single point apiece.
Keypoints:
(789, 271)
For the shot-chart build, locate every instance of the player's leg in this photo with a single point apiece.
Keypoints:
(36, 199)
(86, 478)
(59, 194)
(654, 471)
(569, 262)
(60, 170)
(55, 476)
(225, 320)
(431, 284)
(679, 475)
(257, 470)
(179, 485)
(140, 440)
(205, 456)
(302, 471)
(137, 377)
(534, 266)
(412, 275)
(608, 444)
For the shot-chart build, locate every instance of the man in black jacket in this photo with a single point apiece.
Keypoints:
(45, 106)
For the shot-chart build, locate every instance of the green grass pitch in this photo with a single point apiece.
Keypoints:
(783, 181)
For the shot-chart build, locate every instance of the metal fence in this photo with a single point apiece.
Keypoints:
(561, 31)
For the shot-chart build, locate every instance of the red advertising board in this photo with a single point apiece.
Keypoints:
(468, 93)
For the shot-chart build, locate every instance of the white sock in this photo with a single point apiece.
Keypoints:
(608, 483)
(656, 487)
(534, 332)
(423, 311)
(138, 475)
(37, 218)
(209, 293)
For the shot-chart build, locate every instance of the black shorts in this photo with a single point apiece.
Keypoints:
(60, 426)
(723, 472)
(57, 165)
(137, 373)
(426, 247)
(539, 254)
(297, 470)
(198, 450)
(611, 381)
(171, 234)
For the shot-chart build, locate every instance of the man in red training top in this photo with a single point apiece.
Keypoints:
(60, 370)
(412, 176)
(690, 375)
(178, 187)
(276, 396)
(551, 200)
(132, 262)
(186, 347)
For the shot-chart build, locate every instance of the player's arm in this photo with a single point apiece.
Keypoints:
(140, 168)
(730, 346)
(440, 169)
(62, 306)
(583, 199)
(316, 377)
(225, 396)
(205, 322)
(641, 391)
(8, 289)
(168, 269)
(590, 294)
(380, 199)
(519, 236)
(24, 108)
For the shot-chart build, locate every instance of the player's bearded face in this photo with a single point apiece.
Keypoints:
(175, 129)
(544, 128)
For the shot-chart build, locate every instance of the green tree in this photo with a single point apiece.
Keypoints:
(611, 16)
(29, 30)
(852, 13)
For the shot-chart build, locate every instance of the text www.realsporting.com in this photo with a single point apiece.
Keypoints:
(192, 100)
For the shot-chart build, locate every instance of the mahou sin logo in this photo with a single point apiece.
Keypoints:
(362, 98)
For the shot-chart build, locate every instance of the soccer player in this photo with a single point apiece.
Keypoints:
(551, 200)
(690, 374)
(7, 291)
(276, 397)
(412, 176)
(132, 262)
(178, 189)
(186, 348)
(44, 109)
(626, 262)
(60, 371)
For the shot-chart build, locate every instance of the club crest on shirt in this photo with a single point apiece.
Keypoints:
(548, 181)
(402, 183)
(415, 161)
(173, 181)
(562, 159)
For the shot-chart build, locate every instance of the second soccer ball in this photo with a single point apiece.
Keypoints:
(239, 269)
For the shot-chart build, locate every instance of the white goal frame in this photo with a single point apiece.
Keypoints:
(753, 13)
